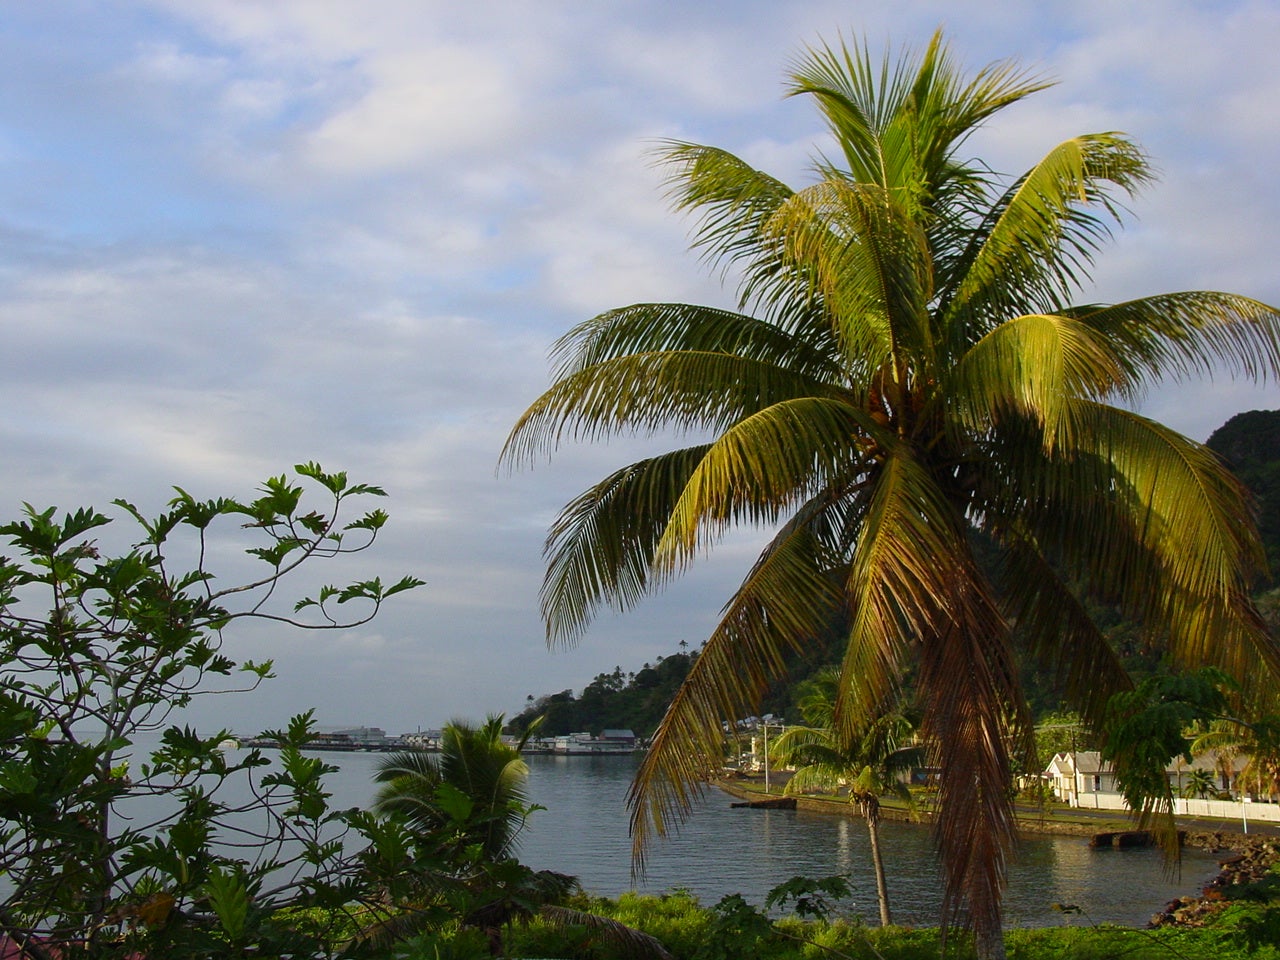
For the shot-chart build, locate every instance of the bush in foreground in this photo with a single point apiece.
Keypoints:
(109, 847)
(734, 929)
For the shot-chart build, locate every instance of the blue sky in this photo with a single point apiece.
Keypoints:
(240, 235)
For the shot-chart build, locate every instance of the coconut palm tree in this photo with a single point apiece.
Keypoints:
(1200, 783)
(908, 363)
(870, 763)
(1258, 742)
(467, 806)
(477, 780)
(1226, 738)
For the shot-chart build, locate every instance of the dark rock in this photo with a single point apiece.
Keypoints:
(1249, 864)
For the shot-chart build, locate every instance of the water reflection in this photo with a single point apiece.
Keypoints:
(584, 832)
(723, 850)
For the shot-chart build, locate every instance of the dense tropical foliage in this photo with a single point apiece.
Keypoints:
(614, 700)
(463, 810)
(909, 364)
(1244, 928)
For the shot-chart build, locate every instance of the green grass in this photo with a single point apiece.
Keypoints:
(1247, 928)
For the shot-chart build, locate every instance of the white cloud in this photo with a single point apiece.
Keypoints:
(239, 235)
(165, 63)
(446, 102)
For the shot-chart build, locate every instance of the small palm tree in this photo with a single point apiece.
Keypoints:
(1200, 783)
(1227, 739)
(467, 807)
(870, 761)
(476, 774)
(1258, 742)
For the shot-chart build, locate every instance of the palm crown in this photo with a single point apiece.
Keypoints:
(907, 366)
(477, 781)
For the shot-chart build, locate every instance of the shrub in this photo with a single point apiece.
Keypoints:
(101, 648)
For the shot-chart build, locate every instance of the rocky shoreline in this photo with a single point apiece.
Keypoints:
(1247, 860)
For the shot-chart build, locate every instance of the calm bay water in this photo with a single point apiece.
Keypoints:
(723, 850)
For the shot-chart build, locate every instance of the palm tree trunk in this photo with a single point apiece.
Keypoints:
(871, 810)
(989, 944)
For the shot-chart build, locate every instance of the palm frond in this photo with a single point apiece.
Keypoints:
(1036, 244)
(899, 125)
(682, 390)
(766, 463)
(389, 929)
(788, 598)
(1191, 333)
(816, 756)
(1060, 633)
(733, 202)
(1139, 516)
(409, 781)
(871, 264)
(812, 774)
(1227, 632)
(816, 698)
(897, 585)
(972, 704)
(732, 198)
(1186, 506)
(1142, 517)
(644, 328)
(796, 745)
(623, 940)
(914, 585)
(413, 763)
(601, 547)
(1032, 366)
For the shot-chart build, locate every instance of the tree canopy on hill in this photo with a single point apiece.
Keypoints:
(615, 700)
(1250, 444)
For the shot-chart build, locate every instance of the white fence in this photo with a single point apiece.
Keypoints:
(1228, 809)
(1224, 809)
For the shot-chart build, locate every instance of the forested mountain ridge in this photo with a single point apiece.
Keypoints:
(616, 700)
(1250, 444)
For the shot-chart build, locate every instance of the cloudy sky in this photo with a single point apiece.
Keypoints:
(239, 235)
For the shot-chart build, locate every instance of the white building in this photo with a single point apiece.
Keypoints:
(1079, 776)
(1082, 779)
